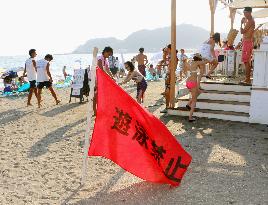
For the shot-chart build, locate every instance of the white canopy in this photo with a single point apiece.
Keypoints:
(265, 25)
(239, 4)
(263, 13)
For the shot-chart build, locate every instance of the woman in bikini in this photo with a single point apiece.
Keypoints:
(192, 82)
(138, 78)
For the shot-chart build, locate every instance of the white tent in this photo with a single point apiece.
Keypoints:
(239, 4)
(265, 25)
(263, 13)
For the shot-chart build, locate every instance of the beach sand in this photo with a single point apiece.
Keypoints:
(41, 154)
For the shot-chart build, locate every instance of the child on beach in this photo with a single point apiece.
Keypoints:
(152, 72)
(9, 85)
(192, 82)
(183, 59)
(135, 75)
(44, 78)
(30, 69)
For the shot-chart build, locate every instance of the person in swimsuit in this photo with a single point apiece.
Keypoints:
(168, 79)
(138, 78)
(247, 29)
(192, 82)
(207, 51)
(142, 61)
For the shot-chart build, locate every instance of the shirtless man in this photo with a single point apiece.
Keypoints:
(142, 61)
(247, 29)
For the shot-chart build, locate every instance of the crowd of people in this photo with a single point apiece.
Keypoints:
(191, 69)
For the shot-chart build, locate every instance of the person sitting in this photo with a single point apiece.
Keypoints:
(152, 72)
(21, 81)
(208, 53)
(9, 85)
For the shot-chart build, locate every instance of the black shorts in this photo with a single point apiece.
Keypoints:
(32, 84)
(114, 70)
(41, 85)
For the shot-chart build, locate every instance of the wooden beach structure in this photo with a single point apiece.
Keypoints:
(226, 98)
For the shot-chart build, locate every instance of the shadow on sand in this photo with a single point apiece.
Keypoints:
(11, 115)
(41, 147)
(229, 167)
(61, 109)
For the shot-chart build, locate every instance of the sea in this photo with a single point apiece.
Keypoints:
(71, 61)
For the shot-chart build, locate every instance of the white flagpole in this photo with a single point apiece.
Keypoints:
(89, 116)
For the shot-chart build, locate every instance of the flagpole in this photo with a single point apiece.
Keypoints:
(89, 115)
(173, 63)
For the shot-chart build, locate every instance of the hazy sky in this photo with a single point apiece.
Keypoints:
(59, 26)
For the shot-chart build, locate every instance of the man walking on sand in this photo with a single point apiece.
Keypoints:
(30, 69)
(142, 61)
(247, 29)
(44, 78)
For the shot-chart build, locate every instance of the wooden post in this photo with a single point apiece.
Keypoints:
(232, 16)
(212, 23)
(212, 14)
(173, 63)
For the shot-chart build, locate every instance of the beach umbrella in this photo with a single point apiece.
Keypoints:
(263, 13)
(239, 4)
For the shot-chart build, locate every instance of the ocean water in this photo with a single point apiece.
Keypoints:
(72, 61)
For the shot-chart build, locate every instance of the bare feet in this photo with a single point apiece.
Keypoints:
(57, 102)
(246, 82)
(192, 119)
(29, 104)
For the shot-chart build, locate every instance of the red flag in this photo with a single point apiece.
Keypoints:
(133, 138)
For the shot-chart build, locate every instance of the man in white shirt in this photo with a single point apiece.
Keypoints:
(30, 69)
(44, 78)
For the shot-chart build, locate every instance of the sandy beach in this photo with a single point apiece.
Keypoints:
(41, 154)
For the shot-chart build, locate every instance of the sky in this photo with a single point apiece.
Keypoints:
(59, 26)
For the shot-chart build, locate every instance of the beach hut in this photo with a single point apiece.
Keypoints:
(230, 100)
(173, 63)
